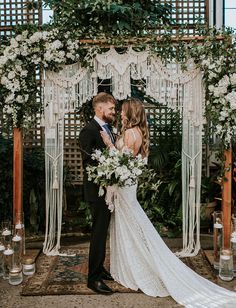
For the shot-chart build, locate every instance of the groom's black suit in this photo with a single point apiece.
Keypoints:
(89, 140)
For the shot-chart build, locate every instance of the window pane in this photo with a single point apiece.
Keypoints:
(46, 15)
(230, 20)
(230, 4)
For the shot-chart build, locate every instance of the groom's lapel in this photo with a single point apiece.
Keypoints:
(96, 125)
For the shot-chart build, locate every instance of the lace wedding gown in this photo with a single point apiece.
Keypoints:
(139, 258)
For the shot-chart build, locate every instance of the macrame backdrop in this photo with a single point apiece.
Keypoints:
(169, 85)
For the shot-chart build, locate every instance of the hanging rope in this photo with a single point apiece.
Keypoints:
(169, 85)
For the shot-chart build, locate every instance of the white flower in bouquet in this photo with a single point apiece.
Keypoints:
(115, 168)
(233, 79)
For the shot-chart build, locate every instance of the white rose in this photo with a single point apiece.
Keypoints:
(218, 91)
(3, 60)
(8, 110)
(231, 98)
(9, 98)
(233, 79)
(11, 75)
(19, 38)
(211, 88)
(14, 43)
(24, 73)
(4, 80)
(137, 171)
(19, 99)
(35, 37)
(224, 82)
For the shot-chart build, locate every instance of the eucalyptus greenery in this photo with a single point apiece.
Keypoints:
(105, 18)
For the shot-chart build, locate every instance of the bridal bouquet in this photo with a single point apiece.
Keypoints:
(115, 167)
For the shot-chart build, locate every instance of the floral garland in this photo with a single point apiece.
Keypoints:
(25, 55)
(28, 51)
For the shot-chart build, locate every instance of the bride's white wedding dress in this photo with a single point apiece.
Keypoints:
(139, 258)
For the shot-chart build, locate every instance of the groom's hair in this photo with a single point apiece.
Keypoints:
(103, 98)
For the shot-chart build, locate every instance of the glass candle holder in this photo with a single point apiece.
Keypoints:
(217, 236)
(2, 248)
(15, 276)
(28, 267)
(226, 272)
(8, 261)
(233, 242)
(20, 230)
(17, 247)
(6, 236)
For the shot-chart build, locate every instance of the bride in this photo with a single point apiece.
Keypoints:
(139, 258)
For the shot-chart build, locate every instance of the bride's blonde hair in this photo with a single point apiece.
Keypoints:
(135, 115)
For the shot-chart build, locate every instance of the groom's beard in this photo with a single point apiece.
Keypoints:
(109, 118)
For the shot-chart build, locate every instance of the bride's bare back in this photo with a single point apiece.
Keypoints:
(133, 140)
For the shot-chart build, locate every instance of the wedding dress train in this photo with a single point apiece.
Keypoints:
(139, 258)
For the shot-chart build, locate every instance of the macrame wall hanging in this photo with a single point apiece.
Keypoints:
(179, 90)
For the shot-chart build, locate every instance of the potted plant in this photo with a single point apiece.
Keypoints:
(210, 193)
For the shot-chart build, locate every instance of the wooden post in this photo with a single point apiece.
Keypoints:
(227, 197)
(17, 176)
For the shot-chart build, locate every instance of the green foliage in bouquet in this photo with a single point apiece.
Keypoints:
(113, 167)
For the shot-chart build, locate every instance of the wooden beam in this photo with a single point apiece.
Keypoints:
(17, 176)
(227, 198)
(145, 39)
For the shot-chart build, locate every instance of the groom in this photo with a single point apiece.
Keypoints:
(89, 140)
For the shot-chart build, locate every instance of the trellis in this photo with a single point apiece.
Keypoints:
(189, 12)
(18, 12)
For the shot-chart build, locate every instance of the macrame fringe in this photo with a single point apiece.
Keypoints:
(169, 85)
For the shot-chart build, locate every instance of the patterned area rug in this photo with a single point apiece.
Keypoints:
(64, 275)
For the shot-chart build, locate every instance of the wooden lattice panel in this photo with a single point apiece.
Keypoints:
(34, 137)
(163, 123)
(72, 155)
(18, 12)
(189, 12)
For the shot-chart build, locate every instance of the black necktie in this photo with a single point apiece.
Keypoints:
(106, 126)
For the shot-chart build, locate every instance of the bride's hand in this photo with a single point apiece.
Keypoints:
(106, 139)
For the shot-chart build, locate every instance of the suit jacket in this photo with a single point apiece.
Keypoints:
(89, 140)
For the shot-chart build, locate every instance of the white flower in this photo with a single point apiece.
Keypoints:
(10, 98)
(211, 88)
(206, 62)
(24, 73)
(115, 168)
(3, 60)
(218, 91)
(224, 82)
(233, 79)
(19, 38)
(11, 75)
(4, 80)
(37, 36)
(8, 109)
(19, 99)
(137, 171)
(231, 98)
(14, 43)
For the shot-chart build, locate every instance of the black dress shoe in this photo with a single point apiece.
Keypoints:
(100, 287)
(106, 276)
